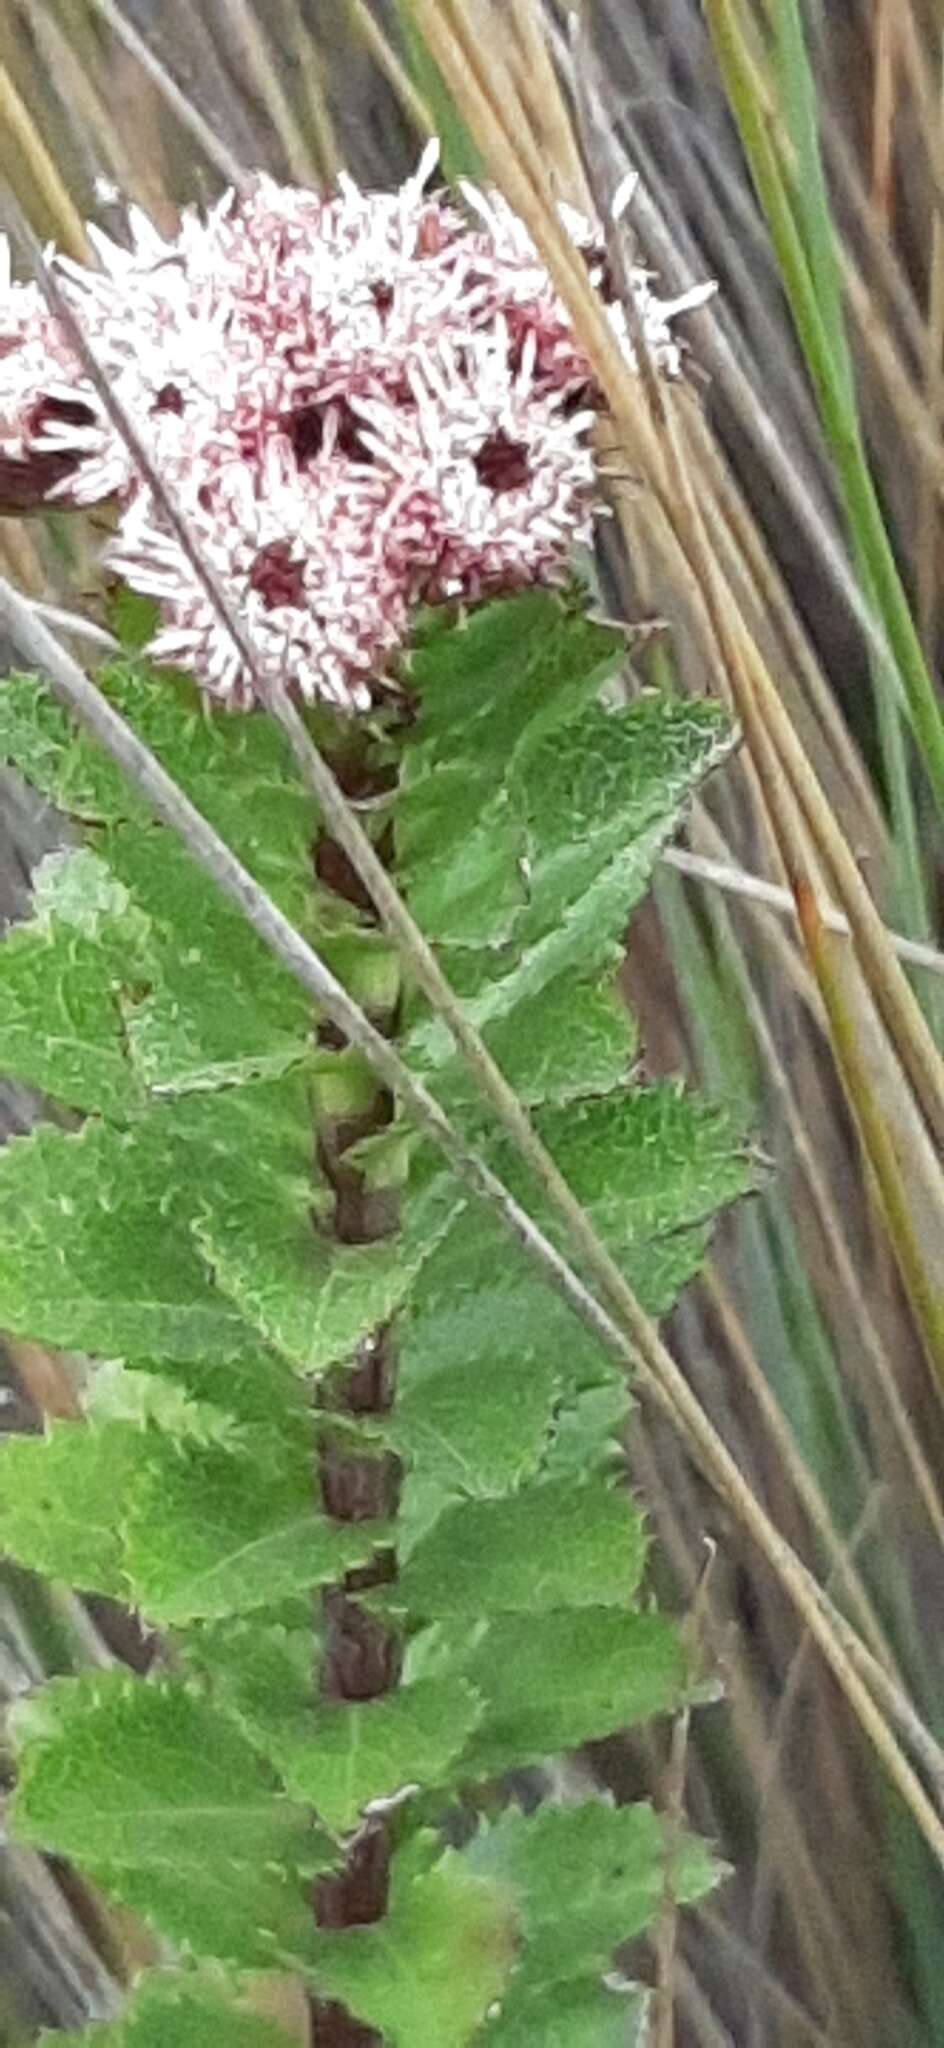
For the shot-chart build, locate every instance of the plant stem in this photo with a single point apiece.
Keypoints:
(361, 1657)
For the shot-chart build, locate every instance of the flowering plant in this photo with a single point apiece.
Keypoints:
(359, 403)
(342, 1449)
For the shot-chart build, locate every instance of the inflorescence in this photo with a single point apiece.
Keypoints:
(357, 403)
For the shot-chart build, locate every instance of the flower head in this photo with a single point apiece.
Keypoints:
(357, 402)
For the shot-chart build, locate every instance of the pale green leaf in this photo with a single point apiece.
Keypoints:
(126, 1771)
(217, 1006)
(238, 771)
(550, 1682)
(60, 1497)
(562, 1543)
(116, 1393)
(430, 1970)
(96, 1248)
(71, 967)
(627, 1864)
(254, 1387)
(38, 738)
(213, 1532)
(570, 2016)
(160, 1797)
(348, 1755)
(170, 2010)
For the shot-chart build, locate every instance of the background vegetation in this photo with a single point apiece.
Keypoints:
(790, 538)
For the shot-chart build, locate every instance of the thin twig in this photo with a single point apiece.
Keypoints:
(213, 149)
(73, 622)
(737, 882)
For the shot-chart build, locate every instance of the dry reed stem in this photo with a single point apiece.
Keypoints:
(186, 113)
(659, 1371)
(644, 444)
(35, 163)
(249, 37)
(380, 47)
(735, 881)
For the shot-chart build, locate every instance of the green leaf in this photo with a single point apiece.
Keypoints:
(162, 1238)
(218, 1007)
(562, 1543)
(130, 1772)
(488, 695)
(59, 1497)
(71, 966)
(652, 1167)
(39, 739)
(310, 1297)
(170, 2010)
(350, 1755)
(572, 1038)
(430, 1970)
(254, 1387)
(588, 1429)
(550, 1682)
(213, 1005)
(607, 792)
(238, 771)
(96, 1251)
(588, 809)
(456, 1443)
(627, 1863)
(488, 1353)
(113, 1393)
(162, 1799)
(571, 2016)
(338, 1758)
(213, 1532)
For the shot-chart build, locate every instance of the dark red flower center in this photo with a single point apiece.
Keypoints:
(276, 577)
(502, 464)
(306, 431)
(170, 398)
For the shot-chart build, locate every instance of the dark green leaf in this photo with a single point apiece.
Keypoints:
(488, 694)
(310, 1297)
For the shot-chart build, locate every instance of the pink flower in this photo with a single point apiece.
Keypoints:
(359, 402)
(301, 562)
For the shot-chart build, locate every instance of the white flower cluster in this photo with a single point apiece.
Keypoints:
(358, 403)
